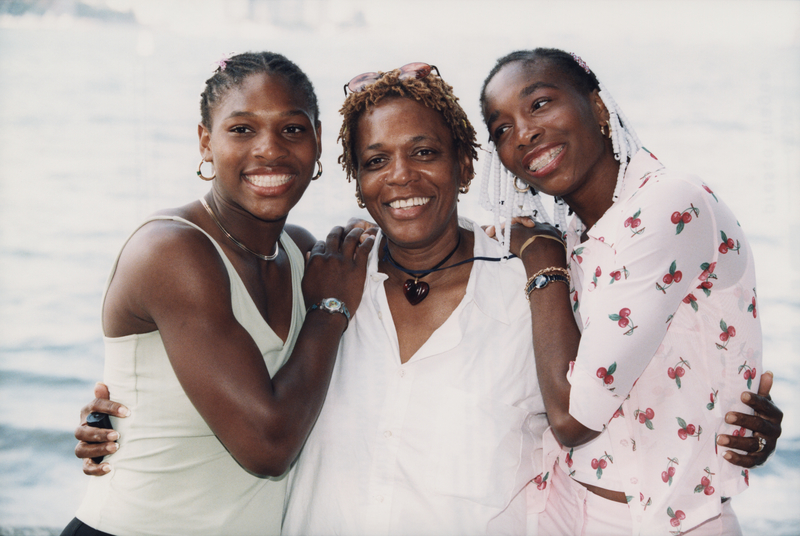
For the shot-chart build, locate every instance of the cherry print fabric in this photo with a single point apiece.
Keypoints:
(665, 295)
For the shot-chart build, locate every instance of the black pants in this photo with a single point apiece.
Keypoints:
(77, 527)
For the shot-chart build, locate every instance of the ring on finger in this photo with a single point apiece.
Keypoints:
(761, 444)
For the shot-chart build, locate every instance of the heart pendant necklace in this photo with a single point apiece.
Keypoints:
(415, 290)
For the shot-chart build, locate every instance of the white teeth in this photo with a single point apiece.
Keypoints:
(545, 159)
(413, 202)
(267, 181)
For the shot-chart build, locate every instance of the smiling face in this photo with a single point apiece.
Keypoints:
(263, 143)
(547, 132)
(409, 172)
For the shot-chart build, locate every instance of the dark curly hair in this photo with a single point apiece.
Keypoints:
(431, 91)
(233, 71)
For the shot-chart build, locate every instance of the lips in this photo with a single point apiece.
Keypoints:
(544, 158)
(269, 181)
(409, 203)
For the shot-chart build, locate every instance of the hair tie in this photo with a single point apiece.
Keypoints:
(580, 62)
(223, 62)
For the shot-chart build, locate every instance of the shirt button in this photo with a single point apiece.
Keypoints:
(387, 433)
(624, 442)
(401, 372)
(375, 277)
(634, 481)
(379, 498)
(380, 315)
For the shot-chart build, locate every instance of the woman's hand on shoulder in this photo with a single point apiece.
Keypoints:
(337, 267)
(765, 425)
(540, 243)
(370, 229)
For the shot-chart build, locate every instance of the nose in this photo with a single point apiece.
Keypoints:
(269, 146)
(400, 172)
(527, 133)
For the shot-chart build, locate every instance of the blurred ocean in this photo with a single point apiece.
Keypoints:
(98, 120)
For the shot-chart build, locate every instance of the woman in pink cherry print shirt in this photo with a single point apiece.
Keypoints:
(663, 292)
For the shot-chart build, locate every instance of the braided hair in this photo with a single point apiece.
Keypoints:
(509, 201)
(234, 70)
(431, 91)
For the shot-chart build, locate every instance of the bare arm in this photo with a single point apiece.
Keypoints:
(555, 334)
(262, 421)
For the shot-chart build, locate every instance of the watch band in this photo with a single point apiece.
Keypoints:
(332, 305)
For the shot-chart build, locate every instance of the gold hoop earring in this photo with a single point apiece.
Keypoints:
(319, 173)
(463, 189)
(200, 171)
(521, 190)
(603, 130)
(359, 200)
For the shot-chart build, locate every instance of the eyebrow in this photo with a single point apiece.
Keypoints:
(534, 87)
(415, 139)
(289, 113)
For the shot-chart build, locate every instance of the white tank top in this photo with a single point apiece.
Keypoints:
(171, 475)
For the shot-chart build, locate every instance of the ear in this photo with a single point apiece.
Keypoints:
(599, 108)
(467, 170)
(204, 136)
(319, 139)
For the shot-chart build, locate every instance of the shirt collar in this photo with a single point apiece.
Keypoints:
(642, 165)
(483, 278)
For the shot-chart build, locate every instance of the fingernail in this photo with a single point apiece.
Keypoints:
(106, 467)
(746, 397)
(123, 412)
(113, 447)
(113, 436)
(727, 455)
(730, 418)
(722, 441)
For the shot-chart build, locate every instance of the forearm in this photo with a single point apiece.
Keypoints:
(555, 341)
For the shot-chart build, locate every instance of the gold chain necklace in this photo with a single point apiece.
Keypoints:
(232, 239)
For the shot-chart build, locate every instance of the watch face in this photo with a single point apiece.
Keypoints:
(540, 281)
(332, 304)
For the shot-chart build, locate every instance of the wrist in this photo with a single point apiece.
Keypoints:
(332, 306)
(544, 277)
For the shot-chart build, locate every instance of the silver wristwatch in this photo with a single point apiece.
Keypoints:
(332, 305)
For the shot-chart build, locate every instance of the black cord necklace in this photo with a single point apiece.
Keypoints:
(415, 290)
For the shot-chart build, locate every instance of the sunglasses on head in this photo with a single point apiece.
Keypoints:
(410, 70)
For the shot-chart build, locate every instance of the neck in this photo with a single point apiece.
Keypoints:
(419, 259)
(591, 202)
(258, 235)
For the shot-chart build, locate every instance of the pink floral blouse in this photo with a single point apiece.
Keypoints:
(664, 292)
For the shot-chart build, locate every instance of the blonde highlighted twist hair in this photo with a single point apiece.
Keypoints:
(431, 91)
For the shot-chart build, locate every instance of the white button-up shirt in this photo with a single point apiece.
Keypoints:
(441, 445)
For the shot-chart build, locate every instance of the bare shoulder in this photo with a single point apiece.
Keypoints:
(302, 238)
(168, 257)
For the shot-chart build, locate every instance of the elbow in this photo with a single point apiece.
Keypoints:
(271, 468)
(571, 433)
(267, 461)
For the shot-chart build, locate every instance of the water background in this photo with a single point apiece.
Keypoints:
(98, 129)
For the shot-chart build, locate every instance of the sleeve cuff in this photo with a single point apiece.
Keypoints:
(590, 402)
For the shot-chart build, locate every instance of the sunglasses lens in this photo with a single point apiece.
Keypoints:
(414, 70)
(358, 83)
